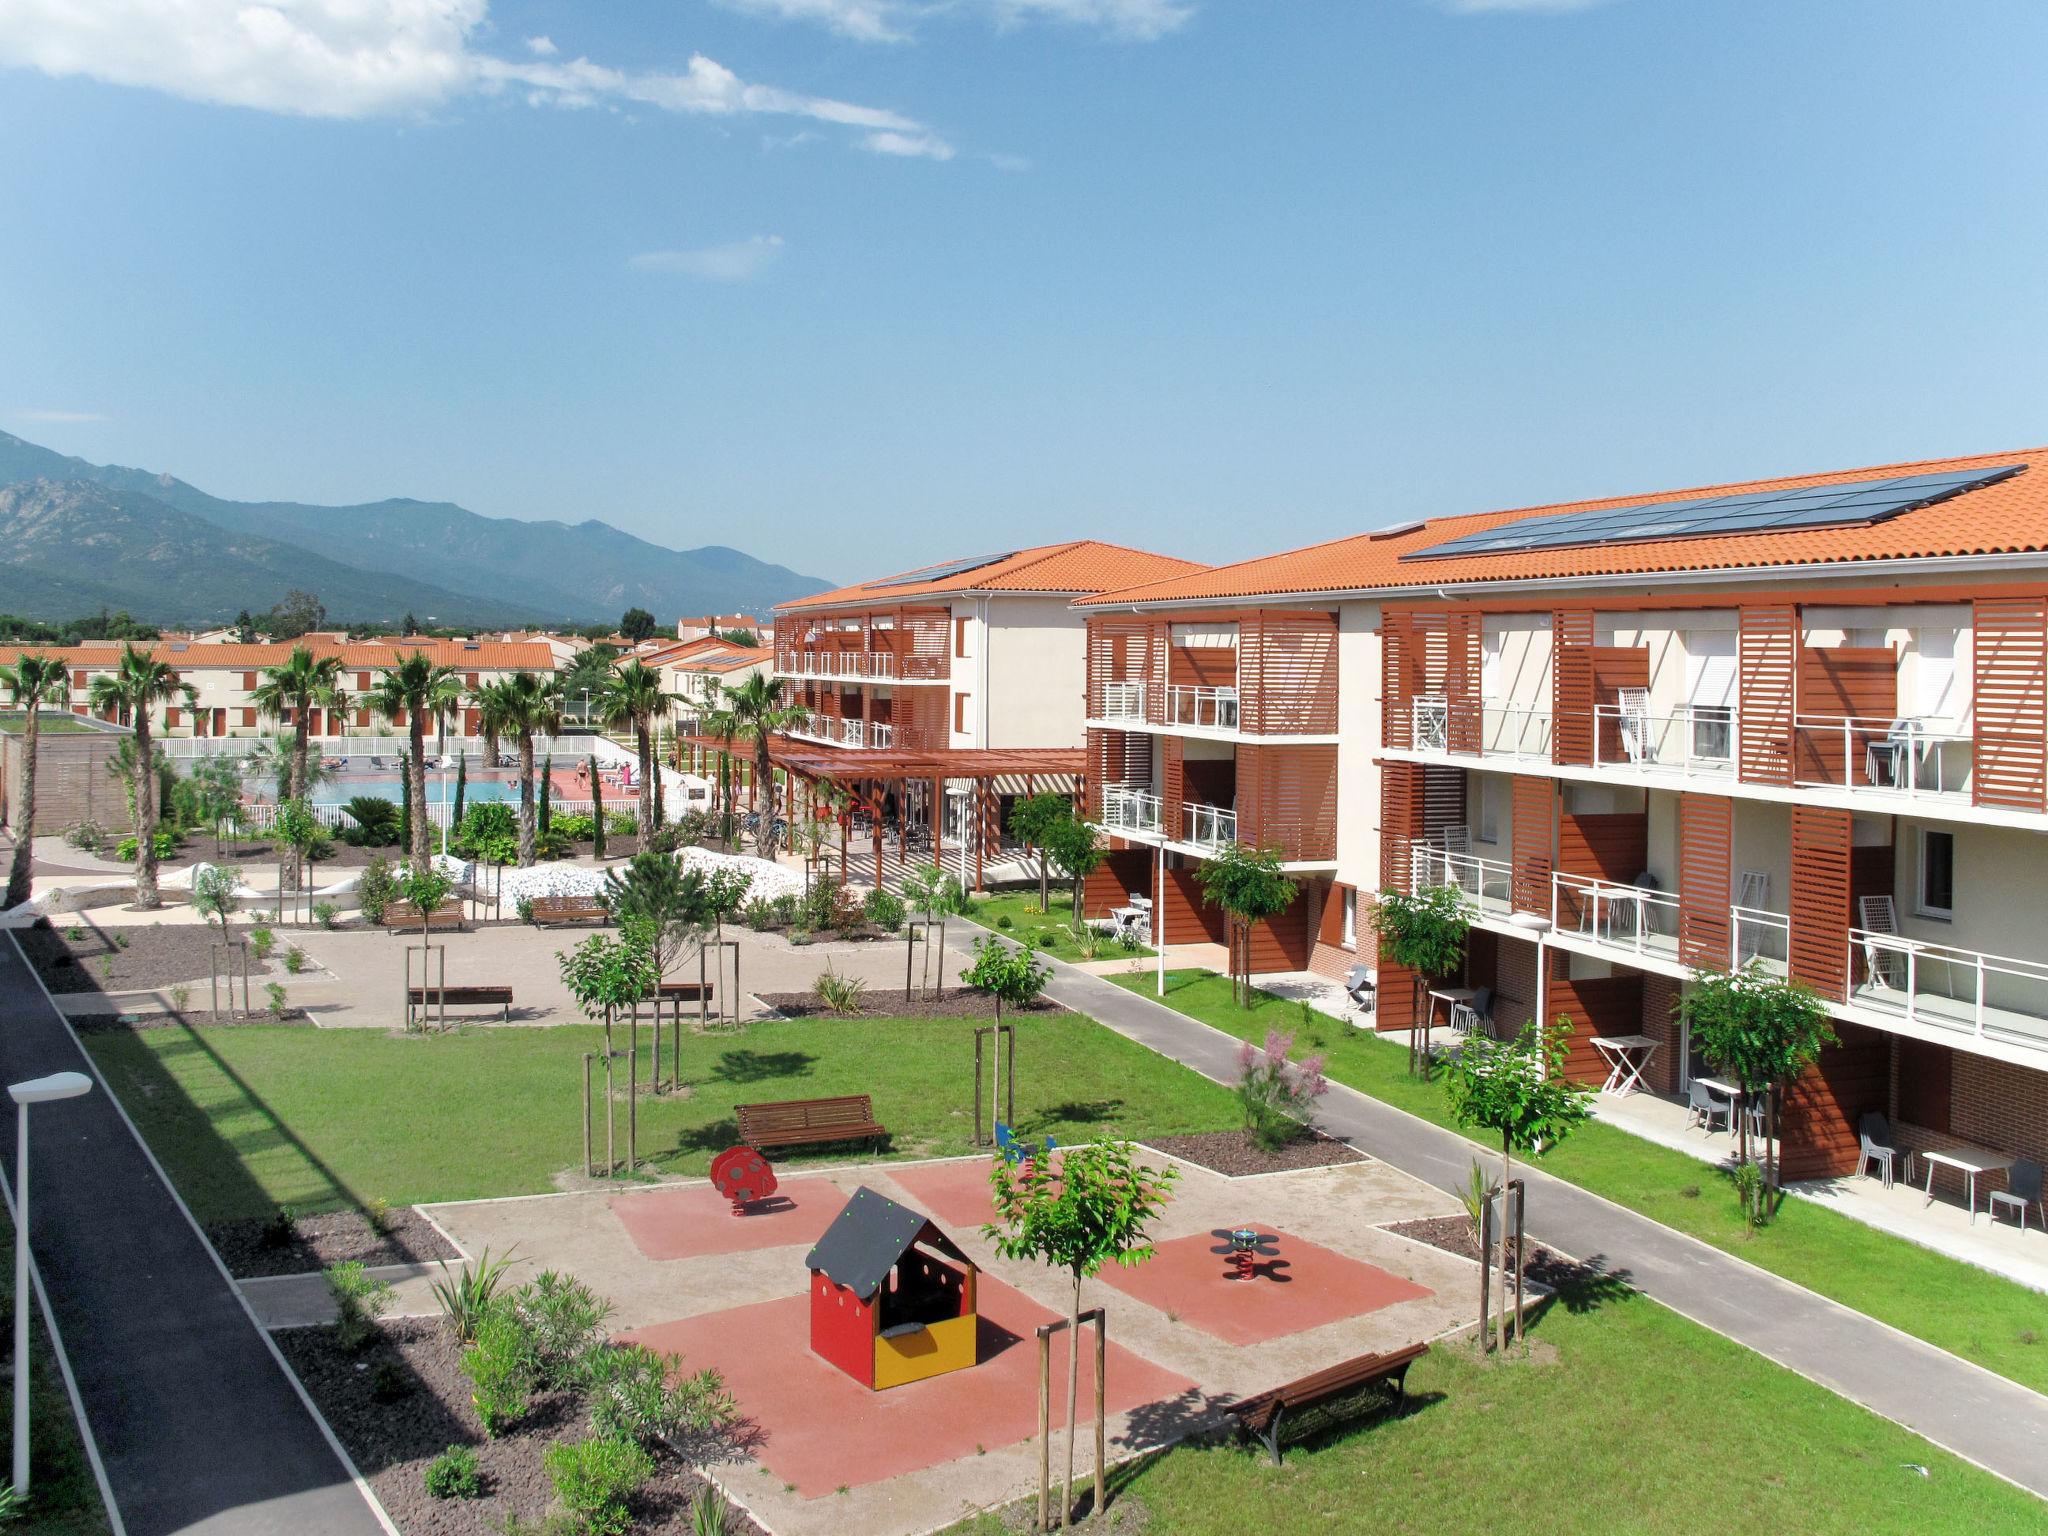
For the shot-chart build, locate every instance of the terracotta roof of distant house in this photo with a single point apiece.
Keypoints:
(2008, 517)
(478, 656)
(1080, 566)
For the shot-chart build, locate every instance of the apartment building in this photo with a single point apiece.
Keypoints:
(695, 672)
(225, 675)
(1801, 723)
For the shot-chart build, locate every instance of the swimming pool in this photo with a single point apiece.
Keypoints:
(478, 791)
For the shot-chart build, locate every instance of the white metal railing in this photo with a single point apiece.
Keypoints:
(1208, 826)
(1902, 756)
(1514, 730)
(1945, 987)
(1635, 918)
(881, 735)
(1762, 938)
(1693, 739)
(1123, 701)
(1126, 808)
(1430, 723)
(1487, 883)
(853, 732)
(1204, 708)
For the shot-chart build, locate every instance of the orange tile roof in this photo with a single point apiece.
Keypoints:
(486, 656)
(1079, 566)
(2007, 518)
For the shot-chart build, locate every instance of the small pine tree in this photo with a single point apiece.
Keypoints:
(596, 809)
(547, 782)
(461, 790)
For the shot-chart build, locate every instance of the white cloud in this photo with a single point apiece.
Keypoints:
(542, 47)
(1476, 7)
(895, 21)
(731, 263)
(66, 418)
(365, 58)
(908, 145)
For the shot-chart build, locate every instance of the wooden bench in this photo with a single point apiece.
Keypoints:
(803, 1122)
(1326, 1397)
(401, 915)
(553, 911)
(419, 999)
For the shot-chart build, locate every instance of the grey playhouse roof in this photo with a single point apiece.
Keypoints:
(867, 1238)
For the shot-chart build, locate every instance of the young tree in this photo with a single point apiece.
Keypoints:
(1029, 820)
(1076, 850)
(632, 697)
(1424, 933)
(671, 905)
(759, 714)
(637, 624)
(1249, 885)
(1765, 1032)
(217, 795)
(1092, 1211)
(291, 693)
(135, 688)
(605, 975)
(425, 887)
(213, 897)
(934, 893)
(295, 831)
(32, 682)
(1009, 973)
(1516, 1089)
(406, 694)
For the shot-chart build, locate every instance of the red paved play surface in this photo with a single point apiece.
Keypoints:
(821, 1429)
(1304, 1288)
(685, 1223)
(954, 1194)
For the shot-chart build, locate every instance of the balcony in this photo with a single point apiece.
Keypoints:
(1212, 709)
(1941, 987)
(1124, 702)
(1208, 826)
(1697, 740)
(853, 733)
(1882, 760)
(1636, 920)
(861, 666)
(1487, 884)
(1762, 939)
(1515, 730)
(1131, 811)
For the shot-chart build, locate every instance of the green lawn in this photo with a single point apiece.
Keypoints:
(1967, 1311)
(50, 723)
(1627, 1419)
(65, 1501)
(248, 1117)
(1052, 931)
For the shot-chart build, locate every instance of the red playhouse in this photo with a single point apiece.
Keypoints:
(885, 1307)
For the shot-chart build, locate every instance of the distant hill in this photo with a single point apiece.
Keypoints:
(479, 570)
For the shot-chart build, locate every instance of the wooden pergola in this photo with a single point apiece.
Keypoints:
(869, 776)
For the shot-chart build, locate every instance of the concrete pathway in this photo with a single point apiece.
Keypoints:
(1971, 1412)
(201, 1430)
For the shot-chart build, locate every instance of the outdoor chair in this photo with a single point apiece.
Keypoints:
(1360, 988)
(1885, 965)
(1705, 1105)
(1634, 715)
(1874, 1135)
(1466, 1017)
(2022, 1189)
(1753, 1114)
(1888, 761)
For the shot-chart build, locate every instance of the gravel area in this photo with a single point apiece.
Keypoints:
(1235, 1154)
(403, 1400)
(253, 1248)
(127, 958)
(894, 1003)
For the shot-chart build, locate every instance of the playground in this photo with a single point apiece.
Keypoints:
(831, 1456)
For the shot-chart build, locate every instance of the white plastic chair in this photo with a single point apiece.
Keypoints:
(1635, 725)
(1432, 723)
(1879, 917)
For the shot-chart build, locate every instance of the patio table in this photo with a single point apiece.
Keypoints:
(1450, 997)
(1627, 1056)
(1968, 1161)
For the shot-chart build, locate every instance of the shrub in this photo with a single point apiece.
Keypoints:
(295, 959)
(884, 908)
(280, 1228)
(639, 1395)
(376, 822)
(758, 915)
(273, 993)
(552, 844)
(574, 828)
(1005, 923)
(359, 1300)
(842, 994)
(710, 1513)
(454, 1474)
(326, 912)
(499, 1364)
(820, 906)
(596, 1479)
(786, 906)
(621, 823)
(166, 844)
(87, 836)
(181, 997)
(565, 1320)
(389, 1382)
(468, 1293)
(262, 940)
(1277, 1097)
(800, 934)
(489, 832)
(375, 889)
(522, 909)
(377, 1212)
(667, 838)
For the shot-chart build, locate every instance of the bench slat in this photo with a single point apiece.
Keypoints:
(798, 1121)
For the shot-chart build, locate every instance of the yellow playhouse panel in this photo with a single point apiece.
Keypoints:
(931, 1351)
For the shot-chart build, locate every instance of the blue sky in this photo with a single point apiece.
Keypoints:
(856, 284)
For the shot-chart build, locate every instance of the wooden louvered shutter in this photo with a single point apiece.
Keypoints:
(1401, 816)
(2010, 689)
(1289, 672)
(1534, 836)
(1397, 645)
(1461, 685)
(1820, 899)
(1571, 686)
(1443, 798)
(1172, 786)
(1766, 692)
(1706, 857)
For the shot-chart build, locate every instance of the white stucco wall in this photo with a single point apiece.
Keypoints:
(1030, 659)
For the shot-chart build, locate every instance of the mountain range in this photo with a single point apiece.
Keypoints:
(76, 536)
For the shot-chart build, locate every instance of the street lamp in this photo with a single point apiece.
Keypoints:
(41, 1090)
(1536, 927)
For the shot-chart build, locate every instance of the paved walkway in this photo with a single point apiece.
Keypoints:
(1979, 1416)
(201, 1431)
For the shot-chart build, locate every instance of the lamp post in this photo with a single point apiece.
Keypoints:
(41, 1090)
(1536, 926)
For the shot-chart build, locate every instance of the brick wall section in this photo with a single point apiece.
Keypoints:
(1991, 1104)
(1331, 960)
(1660, 1023)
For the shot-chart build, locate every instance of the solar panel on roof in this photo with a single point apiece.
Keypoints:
(940, 572)
(1812, 506)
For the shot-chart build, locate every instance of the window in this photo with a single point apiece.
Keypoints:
(1710, 693)
(1491, 648)
(1489, 809)
(1351, 919)
(963, 712)
(960, 637)
(1934, 688)
(1937, 894)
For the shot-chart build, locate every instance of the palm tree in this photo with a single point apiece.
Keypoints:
(33, 681)
(759, 713)
(522, 706)
(303, 684)
(407, 693)
(136, 686)
(632, 697)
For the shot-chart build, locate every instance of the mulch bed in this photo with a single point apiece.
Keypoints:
(129, 1023)
(200, 850)
(1542, 1266)
(894, 1003)
(127, 958)
(424, 1407)
(252, 1248)
(1235, 1154)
